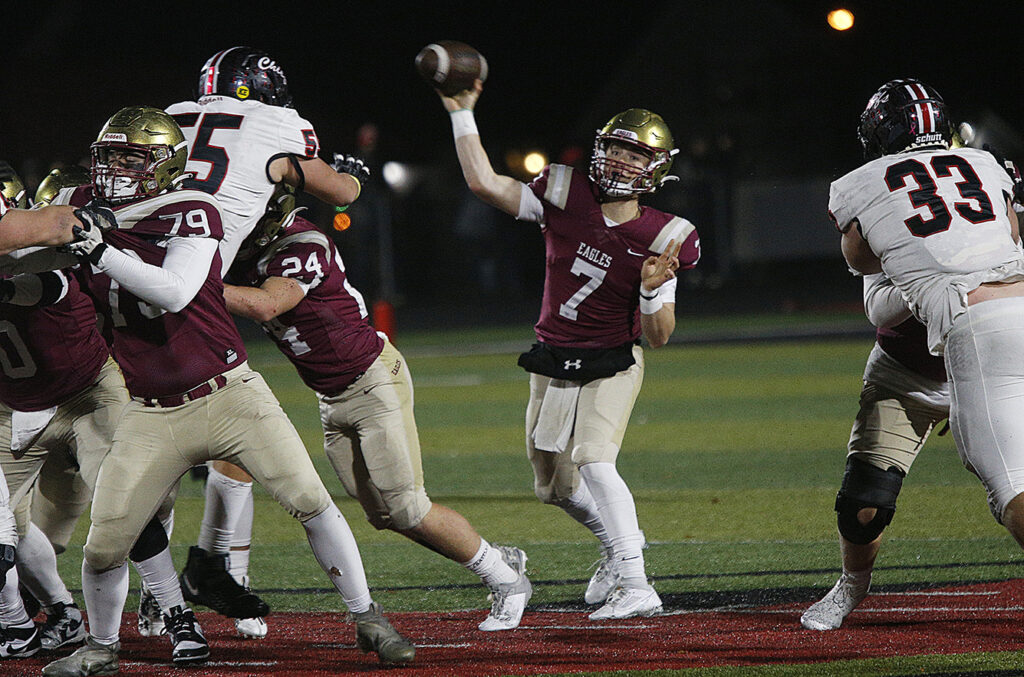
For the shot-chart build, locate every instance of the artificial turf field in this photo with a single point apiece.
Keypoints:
(734, 454)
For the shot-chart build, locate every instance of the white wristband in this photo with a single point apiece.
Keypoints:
(648, 305)
(463, 123)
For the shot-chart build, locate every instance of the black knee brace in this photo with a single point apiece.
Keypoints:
(150, 542)
(867, 486)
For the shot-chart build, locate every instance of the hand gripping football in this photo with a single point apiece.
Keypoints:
(450, 66)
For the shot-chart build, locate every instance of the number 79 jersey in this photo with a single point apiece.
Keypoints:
(937, 221)
(592, 268)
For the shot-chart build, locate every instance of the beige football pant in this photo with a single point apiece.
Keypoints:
(65, 457)
(154, 446)
(371, 441)
(602, 412)
(891, 428)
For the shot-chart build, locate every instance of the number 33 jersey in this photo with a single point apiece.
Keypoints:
(937, 220)
(592, 268)
(231, 144)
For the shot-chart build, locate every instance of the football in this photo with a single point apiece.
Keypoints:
(451, 66)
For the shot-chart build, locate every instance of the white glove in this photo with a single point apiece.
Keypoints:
(88, 244)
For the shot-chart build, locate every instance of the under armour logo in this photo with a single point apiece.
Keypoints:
(573, 364)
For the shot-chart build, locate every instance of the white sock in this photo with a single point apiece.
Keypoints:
(582, 508)
(168, 523)
(12, 611)
(241, 539)
(105, 594)
(37, 569)
(225, 499)
(618, 512)
(161, 579)
(858, 578)
(336, 551)
(489, 565)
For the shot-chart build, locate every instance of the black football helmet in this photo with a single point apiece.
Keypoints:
(901, 115)
(246, 74)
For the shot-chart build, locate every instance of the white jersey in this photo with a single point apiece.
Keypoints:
(937, 221)
(231, 144)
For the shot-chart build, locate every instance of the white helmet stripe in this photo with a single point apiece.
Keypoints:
(213, 70)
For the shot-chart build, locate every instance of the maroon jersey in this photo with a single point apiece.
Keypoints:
(163, 353)
(592, 272)
(907, 343)
(326, 335)
(50, 353)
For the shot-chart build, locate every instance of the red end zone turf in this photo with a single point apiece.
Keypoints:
(968, 619)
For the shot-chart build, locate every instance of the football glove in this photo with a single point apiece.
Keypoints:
(351, 165)
(88, 244)
(97, 214)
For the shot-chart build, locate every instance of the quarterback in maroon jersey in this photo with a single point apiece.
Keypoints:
(294, 283)
(156, 280)
(609, 278)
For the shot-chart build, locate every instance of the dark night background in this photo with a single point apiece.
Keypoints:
(762, 97)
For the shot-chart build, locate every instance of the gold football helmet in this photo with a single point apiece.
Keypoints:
(280, 214)
(12, 188)
(139, 153)
(58, 179)
(638, 129)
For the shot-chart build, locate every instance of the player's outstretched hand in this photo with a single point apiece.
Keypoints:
(351, 165)
(464, 100)
(657, 270)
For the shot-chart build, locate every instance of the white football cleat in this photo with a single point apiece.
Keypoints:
(629, 602)
(508, 600)
(603, 581)
(829, 612)
(251, 628)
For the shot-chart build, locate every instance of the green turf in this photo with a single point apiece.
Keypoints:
(734, 454)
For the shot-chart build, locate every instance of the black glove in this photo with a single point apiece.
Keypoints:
(350, 164)
(97, 214)
(7, 290)
(1011, 168)
(88, 244)
(6, 562)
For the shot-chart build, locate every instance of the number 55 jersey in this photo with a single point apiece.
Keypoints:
(938, 219)
(231, 144)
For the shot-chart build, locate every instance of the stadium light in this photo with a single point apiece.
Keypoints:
(840, 19)
(534, 162)
(398, 176)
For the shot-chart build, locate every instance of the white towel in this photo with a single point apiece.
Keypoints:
(557, 416)
(26, 426)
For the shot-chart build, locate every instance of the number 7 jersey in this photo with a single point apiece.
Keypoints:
(937, 220)
(592, 268)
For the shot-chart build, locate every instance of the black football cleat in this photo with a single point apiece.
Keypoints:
(206, 581)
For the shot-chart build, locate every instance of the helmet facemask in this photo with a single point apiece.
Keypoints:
(122, 172)
(618, 178)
